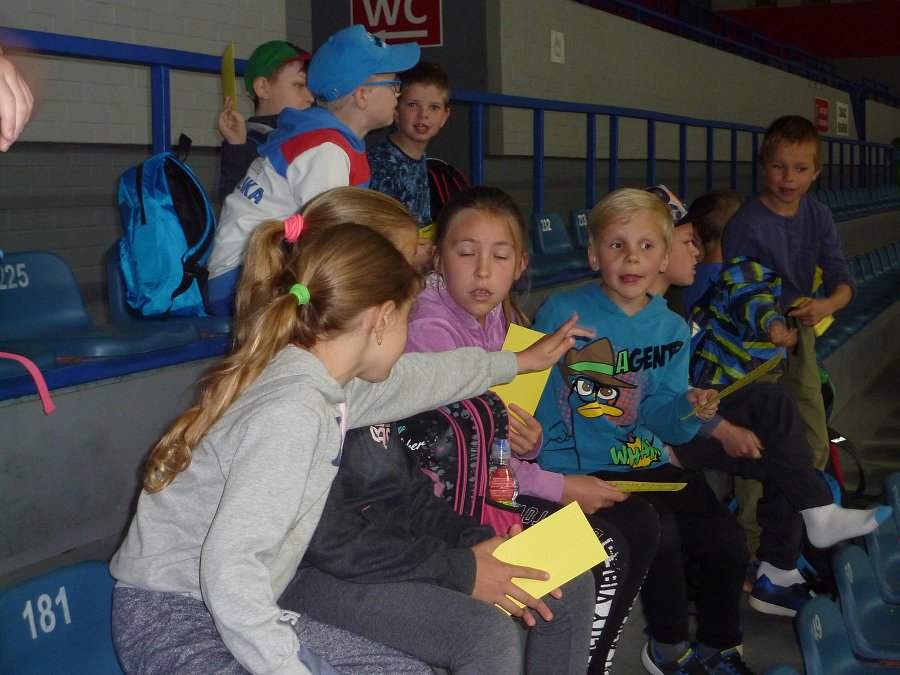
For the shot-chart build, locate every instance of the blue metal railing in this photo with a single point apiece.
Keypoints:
(873, 169)
(869, 163)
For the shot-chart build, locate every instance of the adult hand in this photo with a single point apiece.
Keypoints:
(550, 348)
(699, 400)
(525, 433)
(232, 125)
(590, 492)
(738, 441)
(16, 103)
(493, 581)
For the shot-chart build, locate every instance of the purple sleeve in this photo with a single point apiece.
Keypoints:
(832, 260)
(433, 335)
(536, 482)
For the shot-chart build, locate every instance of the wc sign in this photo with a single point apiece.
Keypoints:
(400, 20)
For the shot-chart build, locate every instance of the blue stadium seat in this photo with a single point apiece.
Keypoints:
(823, 641)
(578, 225)
(553, 245)
(883, 547)
(41, 308)
(44, 359)
(780, 670)
(59, 622)
(892, 493)
(124, 315)
(873, 626)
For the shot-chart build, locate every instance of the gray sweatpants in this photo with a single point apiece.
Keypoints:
(169, 633)
(449, 629)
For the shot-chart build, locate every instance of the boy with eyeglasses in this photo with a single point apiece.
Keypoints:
(354, 79)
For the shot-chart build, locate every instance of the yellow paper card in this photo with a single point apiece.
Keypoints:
(645, 486)
(525, 391)
(757, 372)
(563, 545)
(229, 87)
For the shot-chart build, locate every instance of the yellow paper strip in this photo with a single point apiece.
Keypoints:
(760, 370)
(646, 486)
(525, 391)
(229, 88)
(563, 544)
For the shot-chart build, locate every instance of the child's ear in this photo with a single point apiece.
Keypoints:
(360, 98)
(593, 259)
(446, 116)
(523, 263)
(385, 316)
(261, 87)
(664, 264)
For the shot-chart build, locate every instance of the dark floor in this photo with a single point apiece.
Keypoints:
(872, 422)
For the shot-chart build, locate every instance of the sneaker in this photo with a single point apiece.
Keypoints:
(768, 598)
(750, 578)
(688, 664)
(727, 662)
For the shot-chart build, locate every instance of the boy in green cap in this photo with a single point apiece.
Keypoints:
(275, 78)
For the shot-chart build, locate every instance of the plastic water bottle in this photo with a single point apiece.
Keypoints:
(503, 487)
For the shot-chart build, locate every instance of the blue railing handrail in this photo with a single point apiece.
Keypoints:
(869, 160)
(478, 101)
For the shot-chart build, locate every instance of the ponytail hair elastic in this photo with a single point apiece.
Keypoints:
(293, 226)
(300, 292)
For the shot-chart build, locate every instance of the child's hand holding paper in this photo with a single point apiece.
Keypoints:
(494, 581)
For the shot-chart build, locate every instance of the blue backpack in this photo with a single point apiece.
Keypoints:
(168, 226)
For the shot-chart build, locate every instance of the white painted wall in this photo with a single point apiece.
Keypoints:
(613, 61)
(105, 103)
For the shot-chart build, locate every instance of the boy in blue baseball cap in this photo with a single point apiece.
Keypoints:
(354, 79)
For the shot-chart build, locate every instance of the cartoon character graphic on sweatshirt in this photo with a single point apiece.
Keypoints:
(599, 402)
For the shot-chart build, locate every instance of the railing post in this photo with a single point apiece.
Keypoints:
(710, 156)
(682, 161)
(476, 124)
(734, 158)
(538, 186)
(651, 152)
(160, 121)
(590, 169)
(613, 152)
(754, 162)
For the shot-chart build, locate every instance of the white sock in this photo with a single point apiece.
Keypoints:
(829, 524)
(778, 576)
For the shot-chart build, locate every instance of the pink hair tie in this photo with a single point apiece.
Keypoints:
(293, 226)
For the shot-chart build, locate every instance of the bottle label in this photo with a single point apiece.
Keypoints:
(503, 486)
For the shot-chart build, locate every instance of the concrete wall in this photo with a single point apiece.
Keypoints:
(92, 102)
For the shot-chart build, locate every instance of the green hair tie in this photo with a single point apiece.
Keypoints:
(300, 292)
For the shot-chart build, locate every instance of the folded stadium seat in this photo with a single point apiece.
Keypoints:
(883, 547)
(42, 309)
(892, 493)
(551, 239)
(873, 626)
(780, 670)
(124, 315)
(59, 622)
(578, 227)
(823, 641)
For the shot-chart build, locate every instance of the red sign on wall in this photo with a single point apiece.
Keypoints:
(821, 115)
(400, 20)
